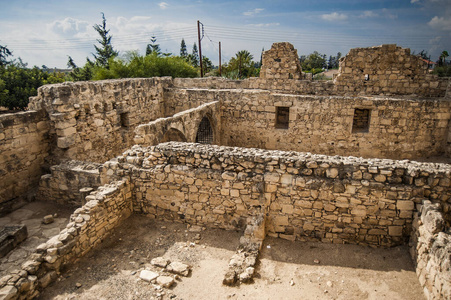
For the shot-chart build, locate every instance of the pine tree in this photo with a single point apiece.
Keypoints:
(194, 56)
(105, 51)
(4, 53)
(153, 47)
(183, 52)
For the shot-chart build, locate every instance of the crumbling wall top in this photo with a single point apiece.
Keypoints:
(281, 62)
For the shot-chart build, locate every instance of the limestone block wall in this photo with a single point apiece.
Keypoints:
(333, 199)
(396, 128)
(95, 121)
(281, 62)
(387, 69)
(69, 182)
(24, 145)
(431, 250)
(181, 127)
(178, 100)
(105, 209)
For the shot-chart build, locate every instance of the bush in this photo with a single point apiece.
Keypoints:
(145, 66)
(442, 71)
(18, 84)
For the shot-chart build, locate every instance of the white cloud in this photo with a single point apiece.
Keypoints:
(414, 1)
(334, 17)
(440, 23)
(388, 14)
(68, 27)
(163, 5)
(368, 14)
(264, 24)
(253, 12)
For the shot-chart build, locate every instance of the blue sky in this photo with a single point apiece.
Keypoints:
(46, 32)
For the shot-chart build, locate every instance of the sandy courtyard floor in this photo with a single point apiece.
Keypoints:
(286, 270)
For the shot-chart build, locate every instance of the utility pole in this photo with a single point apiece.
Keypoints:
(220, 59)
(200, 48)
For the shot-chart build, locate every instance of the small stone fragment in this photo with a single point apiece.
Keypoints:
(316, 261)
(148, 275)
(78, 285)
(48, 219)
(195, 228)
(179, 268)
(165, 281)
(160, 262)
(329, 283)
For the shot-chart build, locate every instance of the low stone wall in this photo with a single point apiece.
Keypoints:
(431, 251)
(306, 197)
(69, 183)
(95, 121)
(106, 208)
(24, 145)
(182, 127)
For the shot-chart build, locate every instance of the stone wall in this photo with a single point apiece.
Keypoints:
(306, 197)
(95, 121)
(69, 182)
(387, 70)
(183, 126)
(398, 128)
(24, 145)
(431, 250)
(89, 225)
(281, 62)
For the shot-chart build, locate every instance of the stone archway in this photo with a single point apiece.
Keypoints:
(205, 132)
(173, 135)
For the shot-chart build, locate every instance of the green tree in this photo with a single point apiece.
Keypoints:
(193, 58)
(314, 62)
(80, 74)
(442, 58)
(242, 63)
(207, 65)
(105, 51)
(183, 51)
(153, 47)
(4, 53)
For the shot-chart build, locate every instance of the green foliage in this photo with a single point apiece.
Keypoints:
(146, 66)
(80, 74)
(153, 47)
(17, 84)
(442, 58)
(334, 61)
(442, 71)
(105, 51)
(313, 62)
(241, 66)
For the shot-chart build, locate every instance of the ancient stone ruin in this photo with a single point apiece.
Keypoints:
(343, 161)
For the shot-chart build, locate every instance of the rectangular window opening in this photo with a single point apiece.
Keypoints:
(282, 117)
(361, 121)
(125, 120)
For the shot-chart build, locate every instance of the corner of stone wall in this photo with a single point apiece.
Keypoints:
(430, 244)
(105, 209)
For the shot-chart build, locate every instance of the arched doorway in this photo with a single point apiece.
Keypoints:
(204, 132)
(173, 135)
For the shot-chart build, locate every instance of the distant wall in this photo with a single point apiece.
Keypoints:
(388, 70)
(395, 128)
(24, 145)
(95, 121)
(305, 197)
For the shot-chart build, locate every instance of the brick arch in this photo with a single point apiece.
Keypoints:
(173, 135)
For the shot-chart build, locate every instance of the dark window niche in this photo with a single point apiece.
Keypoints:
(361, 121)
(125, 120)
(282, 117)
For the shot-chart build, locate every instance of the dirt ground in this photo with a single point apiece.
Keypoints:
(286, 270)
